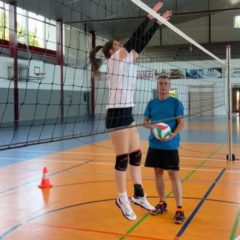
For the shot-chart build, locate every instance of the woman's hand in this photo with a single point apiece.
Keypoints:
(123, 54)
(135, 55)
(167, 15)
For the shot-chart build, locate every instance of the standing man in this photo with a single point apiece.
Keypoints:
(163, 155)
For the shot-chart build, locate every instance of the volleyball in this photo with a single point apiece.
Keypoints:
(161, 131)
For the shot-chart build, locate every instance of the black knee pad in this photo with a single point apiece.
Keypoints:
(135, 158)
(121, 162)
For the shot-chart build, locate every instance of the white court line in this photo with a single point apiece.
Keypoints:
(57, 160)
(237, 238)
(111, 164)
(106, 163)
(210, 170)
(182, 158)
(112, 154)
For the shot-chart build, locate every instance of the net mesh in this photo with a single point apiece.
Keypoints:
(53, 87)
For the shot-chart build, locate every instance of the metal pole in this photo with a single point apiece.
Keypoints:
(14, 55)
(229, 99)
(60, 62)
(93, 79)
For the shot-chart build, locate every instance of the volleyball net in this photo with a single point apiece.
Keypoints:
(48, 92)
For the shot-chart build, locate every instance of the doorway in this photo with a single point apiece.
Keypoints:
(236, 99)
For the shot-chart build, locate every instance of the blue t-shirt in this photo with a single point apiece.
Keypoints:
(166, 111)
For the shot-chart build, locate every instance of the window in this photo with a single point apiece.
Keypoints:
(36, 34)
(173, 92)
(1, 23)
(22, 27)
(4, 23)
(237, 22)
(32, 29)
(50, 35)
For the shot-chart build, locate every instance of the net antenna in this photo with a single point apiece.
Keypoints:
(150, 11)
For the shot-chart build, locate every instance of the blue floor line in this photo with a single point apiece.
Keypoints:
(194, 212)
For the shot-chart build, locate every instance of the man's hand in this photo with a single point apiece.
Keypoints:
(172, 135)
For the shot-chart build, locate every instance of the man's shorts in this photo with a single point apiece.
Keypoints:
(165, 159)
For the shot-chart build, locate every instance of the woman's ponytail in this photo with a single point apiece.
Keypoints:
(96, 62)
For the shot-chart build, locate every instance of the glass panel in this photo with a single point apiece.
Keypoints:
(4, 22)
(51, 37)
(22, 31)
(1, 24)
(36, 30)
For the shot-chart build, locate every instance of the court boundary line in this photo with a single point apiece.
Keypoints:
(96, 163)
(194, 212)
(34, 180)
(101, 231)
(8, 231)
(235, 227)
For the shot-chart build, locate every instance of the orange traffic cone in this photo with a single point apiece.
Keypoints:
(45, 183)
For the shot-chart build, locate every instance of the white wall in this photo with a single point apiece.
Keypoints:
(79, 80)
(145, 87)
(74, 79)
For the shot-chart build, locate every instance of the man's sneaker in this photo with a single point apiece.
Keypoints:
(179, 216)
(160, 208)
(143, 202)
(126, 209)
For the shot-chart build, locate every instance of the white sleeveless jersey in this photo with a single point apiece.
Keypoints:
(122, 78)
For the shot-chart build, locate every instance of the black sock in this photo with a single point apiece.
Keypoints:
(138, 190)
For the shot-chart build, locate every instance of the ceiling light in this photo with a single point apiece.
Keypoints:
(237, 22)
(233, 2)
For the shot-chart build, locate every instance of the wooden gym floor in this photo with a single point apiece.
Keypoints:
(81, 203)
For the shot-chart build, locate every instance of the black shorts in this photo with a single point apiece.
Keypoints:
(119, 117)
(165, 159)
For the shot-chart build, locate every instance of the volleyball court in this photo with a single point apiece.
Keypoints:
(53, 112)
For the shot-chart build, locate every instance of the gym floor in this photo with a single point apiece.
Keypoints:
(81, 203)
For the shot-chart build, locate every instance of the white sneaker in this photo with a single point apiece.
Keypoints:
(143, 202)
(126, 209)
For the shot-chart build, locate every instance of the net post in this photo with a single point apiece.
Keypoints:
(230, 155)
(93, 86)
(14, 55)
(60, 62)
